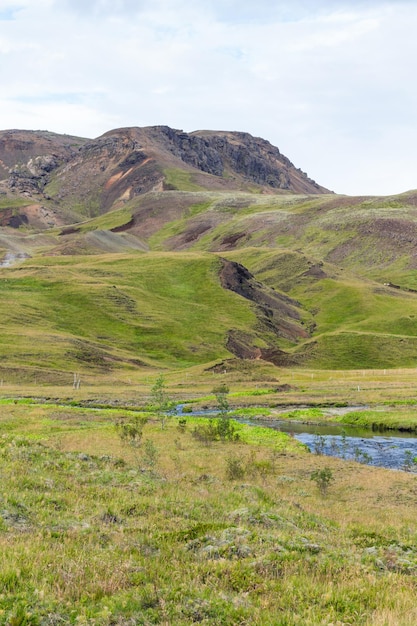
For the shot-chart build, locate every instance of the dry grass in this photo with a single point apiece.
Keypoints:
(94, 531)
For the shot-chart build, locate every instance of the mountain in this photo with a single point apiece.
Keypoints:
(151, 247)
(95, 176)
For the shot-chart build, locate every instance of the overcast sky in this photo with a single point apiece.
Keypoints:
(332, 83)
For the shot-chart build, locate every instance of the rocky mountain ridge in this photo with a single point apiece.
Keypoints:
(100, 174)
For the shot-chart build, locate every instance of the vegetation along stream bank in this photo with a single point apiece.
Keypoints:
(116, 509)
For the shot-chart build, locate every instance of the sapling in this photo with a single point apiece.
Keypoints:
(410, 461)
(225, 428)
(221, 393)
(150, 453)
(161, 404)
(319, 444)
(234, 468)
(323, 478)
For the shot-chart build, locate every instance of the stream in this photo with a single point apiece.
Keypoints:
(393, 449)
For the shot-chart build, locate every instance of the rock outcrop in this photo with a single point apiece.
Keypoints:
(28, 157)
(258, 160)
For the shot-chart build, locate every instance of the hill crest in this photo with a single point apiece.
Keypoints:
(97, 175)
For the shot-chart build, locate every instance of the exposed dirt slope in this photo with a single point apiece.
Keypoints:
(278, 317)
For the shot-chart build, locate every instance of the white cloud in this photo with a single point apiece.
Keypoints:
(330, 83)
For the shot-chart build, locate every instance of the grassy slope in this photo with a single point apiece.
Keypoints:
(357, 322)
(68, 312)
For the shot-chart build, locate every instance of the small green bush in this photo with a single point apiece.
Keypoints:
(323, 478)
(182, 424)
(220, 429)
(131, 431)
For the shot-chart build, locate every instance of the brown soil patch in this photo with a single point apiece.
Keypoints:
(9, 217)
(113, 179)
(241, 345)
(229, 242)
(123, 227)
(315, 271)
(277, 315)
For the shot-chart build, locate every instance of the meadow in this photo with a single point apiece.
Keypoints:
(178, 529)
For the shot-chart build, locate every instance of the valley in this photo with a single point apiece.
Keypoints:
(150, 268)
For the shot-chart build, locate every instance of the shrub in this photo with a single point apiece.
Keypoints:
(410, 461)
(182, 424)
(131, 431)
(319, 444)
(150, 453)
(222, 428)
(206, 433)
(161, 404)
(322, 478)
(226, 429)
(234, 468)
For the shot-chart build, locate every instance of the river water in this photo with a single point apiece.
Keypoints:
(393, 449)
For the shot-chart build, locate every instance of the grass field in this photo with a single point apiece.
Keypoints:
(168, 310)
(175, 531)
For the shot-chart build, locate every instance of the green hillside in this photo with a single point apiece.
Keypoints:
(325, 281)
(115, 311)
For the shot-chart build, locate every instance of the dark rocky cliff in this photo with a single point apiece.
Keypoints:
(258, 160)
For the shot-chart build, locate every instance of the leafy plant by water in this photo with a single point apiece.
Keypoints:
(410, 461)
(161, 404)
(319, 444)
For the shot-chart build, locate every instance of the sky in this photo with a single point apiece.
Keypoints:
(331, 83)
